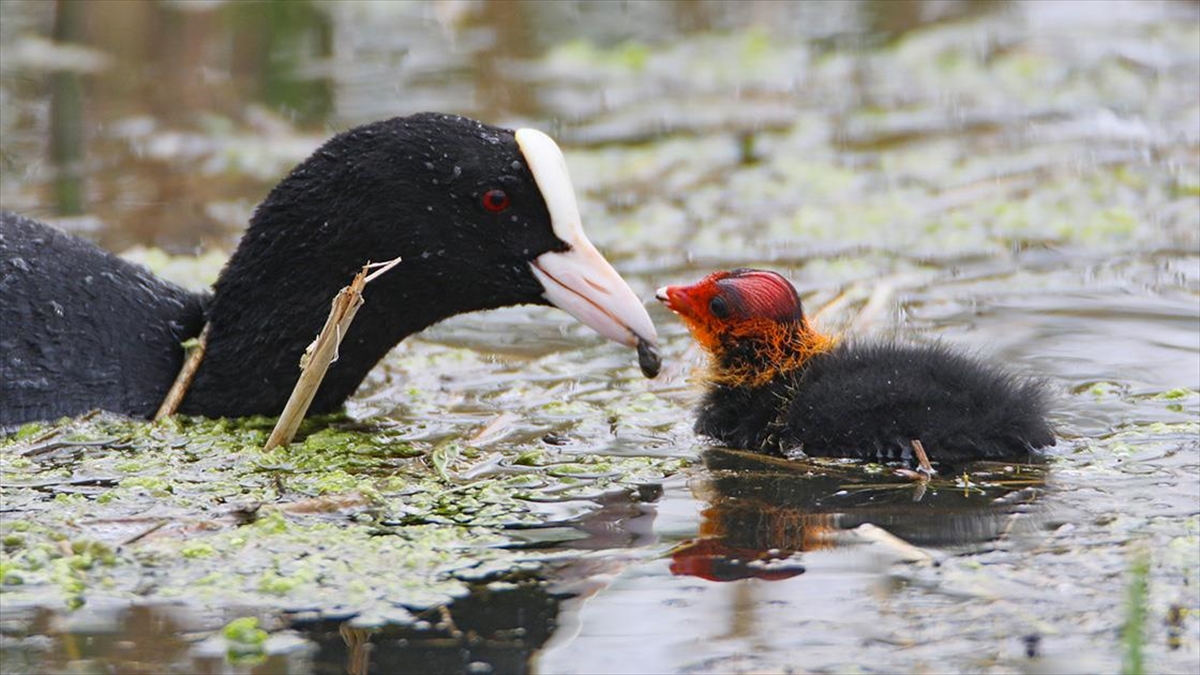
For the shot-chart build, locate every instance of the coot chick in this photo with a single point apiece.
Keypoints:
(776, 385)
(482, 217)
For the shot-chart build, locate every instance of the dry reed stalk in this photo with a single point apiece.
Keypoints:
(323, 352)
(922, 458)
(183, 380)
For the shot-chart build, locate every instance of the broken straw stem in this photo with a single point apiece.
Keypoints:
(322, 352)
(922, 458)
(183, 381)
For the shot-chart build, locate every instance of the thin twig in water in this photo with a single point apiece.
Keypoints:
(834, 304)
(44, 448)
(144, 533)
(183, 380)
(880, 300)
(924, 471)
(919, 489)
(903, 550)
(922, 458)
(322, 352)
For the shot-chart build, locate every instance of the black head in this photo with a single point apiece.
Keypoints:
(451, 196)
(482, 217)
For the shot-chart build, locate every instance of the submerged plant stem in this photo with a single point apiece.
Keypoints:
(1134, 633)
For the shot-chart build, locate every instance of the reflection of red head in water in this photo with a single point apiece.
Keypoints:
(748, 539)
(713, 560)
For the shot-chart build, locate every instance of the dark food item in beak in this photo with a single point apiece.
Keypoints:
(648, 358)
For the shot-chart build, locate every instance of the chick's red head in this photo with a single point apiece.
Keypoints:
(751, 322)
(738, 303)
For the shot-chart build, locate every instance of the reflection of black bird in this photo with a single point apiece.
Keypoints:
(483, 217)
(497, 628)
(777, 385)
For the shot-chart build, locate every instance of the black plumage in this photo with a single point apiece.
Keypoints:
(81, 328)
(870, 400)
(459, 201)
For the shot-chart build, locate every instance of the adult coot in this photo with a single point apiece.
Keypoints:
(776, 385)
(483, 217)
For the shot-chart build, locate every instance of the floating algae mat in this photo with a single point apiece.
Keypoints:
(344, 522)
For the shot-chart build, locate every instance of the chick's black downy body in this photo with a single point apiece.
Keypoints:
(775, 385)
(871, 400)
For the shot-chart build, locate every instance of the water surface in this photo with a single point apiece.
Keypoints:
(1018, 179)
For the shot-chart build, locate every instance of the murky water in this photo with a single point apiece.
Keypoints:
(1020, 179)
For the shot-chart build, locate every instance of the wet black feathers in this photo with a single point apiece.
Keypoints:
(83, 329)
(107, 335)
(407, 187)
(870, 400)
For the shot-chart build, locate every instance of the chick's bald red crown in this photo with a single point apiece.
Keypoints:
(735, 295)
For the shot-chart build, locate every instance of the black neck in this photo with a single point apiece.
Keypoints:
(255, 343)
(743, 416)
(305, 242)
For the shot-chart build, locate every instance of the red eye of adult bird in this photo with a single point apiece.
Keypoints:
(495, 200)
(777, 385)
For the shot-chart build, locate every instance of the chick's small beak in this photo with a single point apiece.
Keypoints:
(663, 295)
(674, 297)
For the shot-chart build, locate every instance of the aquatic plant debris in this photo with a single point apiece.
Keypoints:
(244, 641)
(1133, 633)
(343, 522)
(321, 352)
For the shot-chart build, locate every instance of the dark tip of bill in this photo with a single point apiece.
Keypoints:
(648, 358)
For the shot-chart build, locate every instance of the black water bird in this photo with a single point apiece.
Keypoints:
(482, 217)
(776, 385)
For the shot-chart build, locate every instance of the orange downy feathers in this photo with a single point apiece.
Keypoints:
(780, 349)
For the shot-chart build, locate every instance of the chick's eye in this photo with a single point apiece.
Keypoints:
(718, 307)
(495, 200)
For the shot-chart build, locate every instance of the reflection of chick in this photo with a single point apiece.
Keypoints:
(776, 385)
(763, 514)
(715, 560)
(752, 540)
